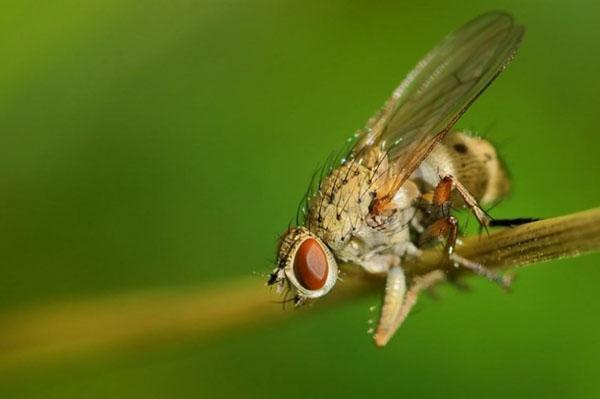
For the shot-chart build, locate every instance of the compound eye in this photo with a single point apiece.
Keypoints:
(310, 265)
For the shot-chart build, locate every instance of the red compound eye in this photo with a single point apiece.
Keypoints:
(310, 265)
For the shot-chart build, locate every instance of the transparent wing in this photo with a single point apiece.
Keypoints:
(439, 90)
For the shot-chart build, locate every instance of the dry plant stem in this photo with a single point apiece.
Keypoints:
(555, 238)
(62, 330)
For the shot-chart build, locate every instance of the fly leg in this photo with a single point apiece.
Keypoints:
(502, 281)
(443, 192)
(393, 299)
(482, 217)
(398, 302)
(447, 227)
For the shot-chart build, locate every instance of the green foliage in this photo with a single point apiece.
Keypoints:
(167, 144)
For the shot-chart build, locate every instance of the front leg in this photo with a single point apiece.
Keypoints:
(398, 302)
(395, 290)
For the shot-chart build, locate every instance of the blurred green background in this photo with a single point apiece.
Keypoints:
(146, 145)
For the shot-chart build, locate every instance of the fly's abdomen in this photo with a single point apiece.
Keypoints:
(476, 165)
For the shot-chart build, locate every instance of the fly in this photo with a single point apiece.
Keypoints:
(395, 189)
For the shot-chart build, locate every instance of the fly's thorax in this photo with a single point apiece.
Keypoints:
(342, 202)
(473, 161)
(340, 212)
(387, 233)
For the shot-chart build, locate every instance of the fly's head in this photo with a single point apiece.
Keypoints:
(304, 265)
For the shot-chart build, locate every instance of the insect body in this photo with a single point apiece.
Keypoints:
(395, 189)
